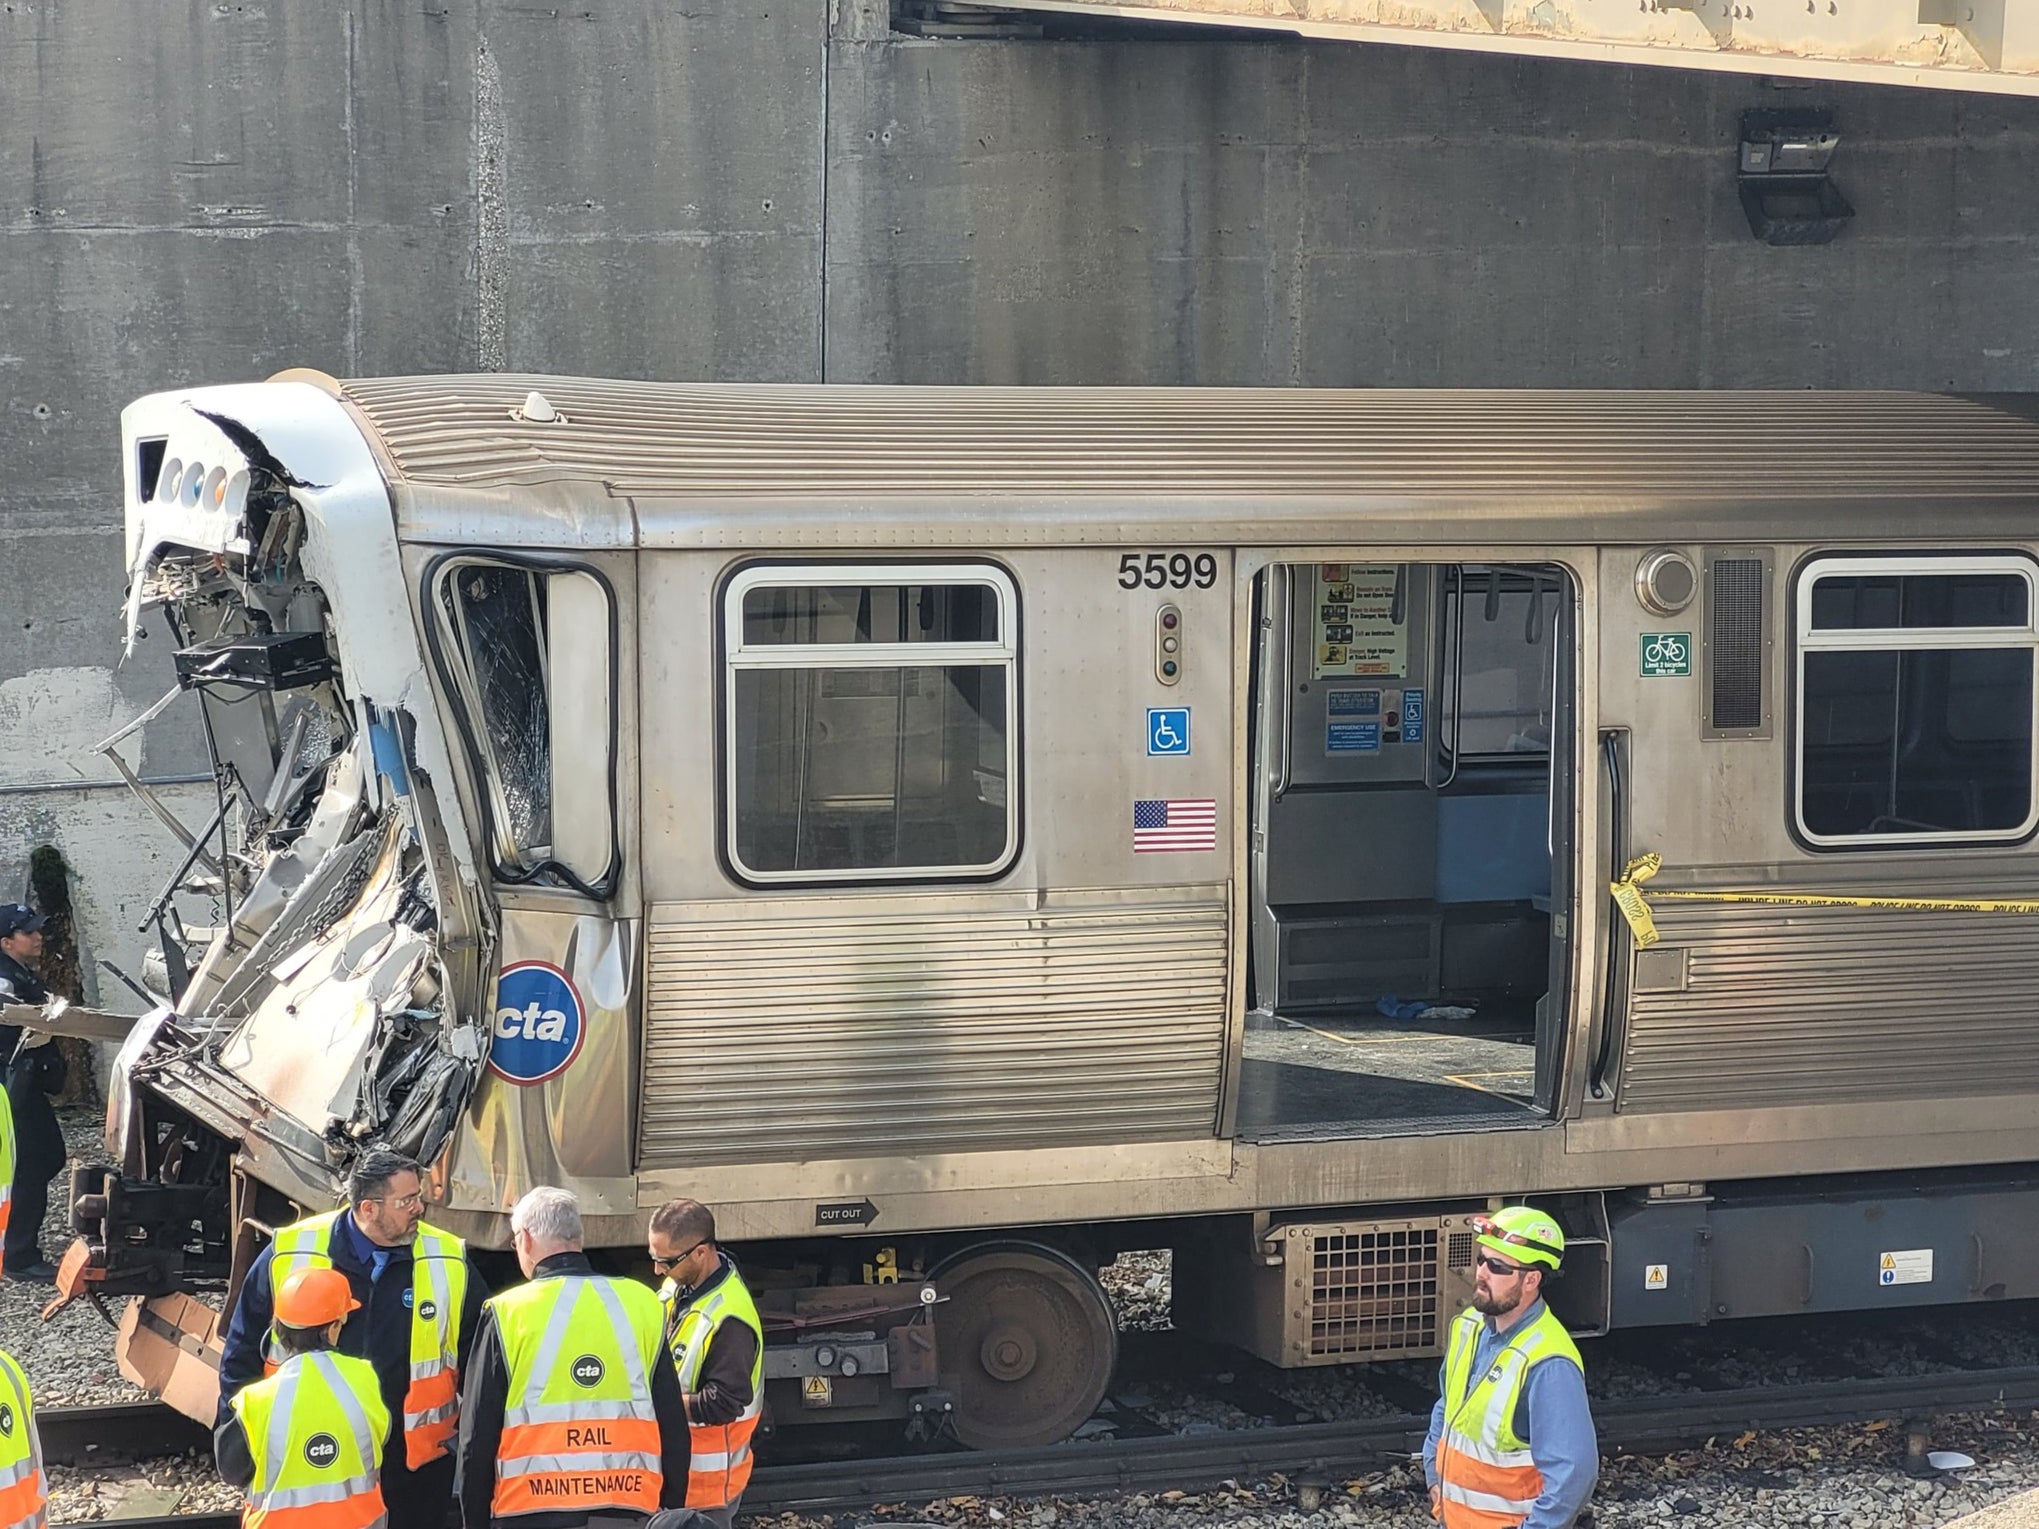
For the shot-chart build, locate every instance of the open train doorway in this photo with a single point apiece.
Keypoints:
(1412, 765)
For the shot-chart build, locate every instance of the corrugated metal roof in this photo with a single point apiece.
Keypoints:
(655, 440)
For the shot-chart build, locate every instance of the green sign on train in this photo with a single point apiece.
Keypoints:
(1666, 653)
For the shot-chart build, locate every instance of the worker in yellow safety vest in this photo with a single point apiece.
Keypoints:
(572, 1414)
(305, 1443)
(24, 1491)
(418, 1302)
(719, 1345)
(1511, 1438)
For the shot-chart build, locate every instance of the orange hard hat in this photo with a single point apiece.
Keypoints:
(314, 1297)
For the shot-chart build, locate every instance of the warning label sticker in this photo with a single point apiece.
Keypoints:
(1912, 1266)
(1656, 1276)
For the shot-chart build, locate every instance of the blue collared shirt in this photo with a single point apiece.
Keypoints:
(1559, 1431)
(374, 1259)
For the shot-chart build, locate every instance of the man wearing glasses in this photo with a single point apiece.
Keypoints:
(1511, 1439)
(718, 1344)
(420, 1299)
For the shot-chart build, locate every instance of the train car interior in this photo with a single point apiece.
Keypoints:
(1411, 725)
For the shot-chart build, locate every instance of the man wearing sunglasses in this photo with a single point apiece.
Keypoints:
(419, 1301)
(1511, 1438)
(718, 1344)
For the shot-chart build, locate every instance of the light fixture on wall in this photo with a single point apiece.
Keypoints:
(1782, 175)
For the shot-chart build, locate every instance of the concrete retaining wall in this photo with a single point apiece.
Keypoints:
(782, 189)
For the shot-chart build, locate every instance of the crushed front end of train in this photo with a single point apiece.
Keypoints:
(332, 996)
(396, 731)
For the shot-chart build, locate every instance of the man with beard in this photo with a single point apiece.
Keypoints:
(1511, 1439)
(419, 1302)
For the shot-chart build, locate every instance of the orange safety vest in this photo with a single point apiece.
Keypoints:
(720, 1466)
(579, 1432)
(1486, 1477)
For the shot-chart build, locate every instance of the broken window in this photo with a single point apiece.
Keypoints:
(530, 659)
(870, 727)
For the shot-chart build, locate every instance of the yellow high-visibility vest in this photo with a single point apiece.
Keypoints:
(7, 1153)
(721, 1464)
(438, 1294)
(579, 1432)
(1486, 1477)
(315, 1430)
(24, 1493)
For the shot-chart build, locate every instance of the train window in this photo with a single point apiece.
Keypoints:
(870, 722)
(1915, 700)
(528, 652)
(1500, 627)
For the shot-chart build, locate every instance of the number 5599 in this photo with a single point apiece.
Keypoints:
(1167, 570)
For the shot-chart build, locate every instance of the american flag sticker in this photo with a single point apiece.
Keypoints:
(1175, 825)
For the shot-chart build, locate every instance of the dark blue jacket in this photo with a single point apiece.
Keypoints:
(379, 1332)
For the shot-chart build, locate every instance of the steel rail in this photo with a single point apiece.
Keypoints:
(1321, 1450)
(1325, 1449)
(123, 1431)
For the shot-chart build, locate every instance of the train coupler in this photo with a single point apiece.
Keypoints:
(137, 1238)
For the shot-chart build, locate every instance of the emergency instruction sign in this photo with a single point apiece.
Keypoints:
(1912, 1266)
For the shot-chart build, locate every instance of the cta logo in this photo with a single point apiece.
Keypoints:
(587, 1371)
(539, 1024)
(321, 1450)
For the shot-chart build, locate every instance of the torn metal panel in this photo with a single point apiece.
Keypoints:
(333, 1001)
(1983, 45)
(305, 1046)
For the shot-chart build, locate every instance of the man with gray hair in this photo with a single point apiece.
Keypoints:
(420, 1303)
(572, 1415)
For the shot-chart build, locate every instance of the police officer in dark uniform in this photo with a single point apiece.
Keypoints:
(34, 1071)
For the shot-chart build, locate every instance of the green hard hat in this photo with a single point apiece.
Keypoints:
(1525, 1234)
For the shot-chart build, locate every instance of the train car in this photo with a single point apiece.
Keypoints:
(960, 834)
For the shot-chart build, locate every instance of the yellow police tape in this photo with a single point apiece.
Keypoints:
(1628, 897)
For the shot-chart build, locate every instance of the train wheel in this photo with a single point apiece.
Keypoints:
(1028, 1341)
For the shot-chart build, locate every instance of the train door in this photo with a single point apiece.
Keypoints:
(1412, 766)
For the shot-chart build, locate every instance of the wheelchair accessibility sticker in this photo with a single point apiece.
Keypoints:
(1168, 730)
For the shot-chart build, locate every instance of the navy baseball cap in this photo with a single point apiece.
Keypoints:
(17, 918)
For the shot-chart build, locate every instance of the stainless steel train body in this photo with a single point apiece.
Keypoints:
(917, 820)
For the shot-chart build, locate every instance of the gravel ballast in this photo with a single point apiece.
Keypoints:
(1830, 1479)
(69, 1359)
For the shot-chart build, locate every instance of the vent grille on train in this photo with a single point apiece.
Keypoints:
(1373, 1293)
(1736, 629)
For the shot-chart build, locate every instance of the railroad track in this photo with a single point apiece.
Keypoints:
(1321, 1451)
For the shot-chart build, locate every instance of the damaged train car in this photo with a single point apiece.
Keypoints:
(962, 834)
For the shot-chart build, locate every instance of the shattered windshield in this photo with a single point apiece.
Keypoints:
(499, 618)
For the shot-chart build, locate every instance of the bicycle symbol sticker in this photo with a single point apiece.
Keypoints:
(1666, 654)
(1168, 730)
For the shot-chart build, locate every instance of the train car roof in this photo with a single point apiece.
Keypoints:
(690, 464)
